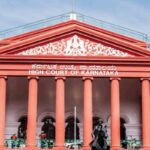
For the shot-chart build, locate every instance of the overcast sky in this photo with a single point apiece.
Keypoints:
(134, 14)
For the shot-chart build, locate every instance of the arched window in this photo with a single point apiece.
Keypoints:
(69, 132)
(48, 127)
(22, 127)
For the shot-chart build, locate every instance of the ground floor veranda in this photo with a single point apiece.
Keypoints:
(55, 97)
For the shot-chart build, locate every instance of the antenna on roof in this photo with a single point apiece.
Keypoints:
(73, 15)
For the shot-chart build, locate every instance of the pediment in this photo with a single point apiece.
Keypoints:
(75, 46)
(72, 38)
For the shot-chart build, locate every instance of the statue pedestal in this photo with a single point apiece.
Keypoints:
(2, 148)
(31, 148)
(59, 148)
(116, 148)
(145, 148)
(86, 148)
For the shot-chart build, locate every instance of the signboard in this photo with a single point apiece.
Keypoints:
(73, 70)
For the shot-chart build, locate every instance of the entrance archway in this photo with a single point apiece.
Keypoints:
(69, 131)
(48, 127)
(123, 135)
(22, 127)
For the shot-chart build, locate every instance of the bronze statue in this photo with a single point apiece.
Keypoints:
(49, 129)
(22, 131)
(99, 137)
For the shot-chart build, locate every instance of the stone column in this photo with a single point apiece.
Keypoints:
(2, 109)
(115, 114)
(146, 114)
(87, 128)
(60, 113)
(32, 112)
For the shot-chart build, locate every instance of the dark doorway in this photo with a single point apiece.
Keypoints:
(48, 128)
(69, 132)
(123, 135)
(22, 127)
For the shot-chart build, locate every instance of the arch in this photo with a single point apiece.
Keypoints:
(96, 120)
(123, 117)
(45, 114)
(122, 121)
(23, 118)
(48, 118)
(71, 114)
(123, 134)
(99, 116)
(22, 127)
(20, 114)
(69, 130)
(72, 118)
(48, 127)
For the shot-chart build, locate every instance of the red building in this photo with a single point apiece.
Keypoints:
(46, 71)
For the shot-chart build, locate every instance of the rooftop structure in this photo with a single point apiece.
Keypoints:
(74, 16)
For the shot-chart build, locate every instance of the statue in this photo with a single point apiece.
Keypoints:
(99, 137)
(49, 129)
(123, 135)
(22, 131)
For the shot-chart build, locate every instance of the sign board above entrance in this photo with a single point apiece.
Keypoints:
(73, 70)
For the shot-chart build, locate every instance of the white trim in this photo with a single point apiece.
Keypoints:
(75, 46)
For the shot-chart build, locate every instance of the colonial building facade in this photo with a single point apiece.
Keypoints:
(44, 73)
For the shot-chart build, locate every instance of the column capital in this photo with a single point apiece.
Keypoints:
(115, 78)
(87, 78)
(4, 77)
(33, 77)
(144, 79)
(63, 78)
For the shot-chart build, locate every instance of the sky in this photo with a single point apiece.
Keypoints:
(133, 14)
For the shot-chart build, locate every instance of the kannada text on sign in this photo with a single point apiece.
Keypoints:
(73, 70)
